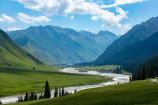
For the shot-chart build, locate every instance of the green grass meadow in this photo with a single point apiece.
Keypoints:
(134, 93)
(19, 80)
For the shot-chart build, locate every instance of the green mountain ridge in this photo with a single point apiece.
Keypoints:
(136, 54)
(12, 55)
(56, 45)
(117, 52)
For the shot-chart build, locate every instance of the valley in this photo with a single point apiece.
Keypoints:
(109, 79)
(78, 52)
(19, 80)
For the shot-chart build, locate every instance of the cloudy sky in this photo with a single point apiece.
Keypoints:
(117, 16)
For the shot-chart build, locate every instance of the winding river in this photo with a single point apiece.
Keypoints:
(116, 78)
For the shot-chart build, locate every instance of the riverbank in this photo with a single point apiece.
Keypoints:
(117, 78)
(133, 93)
(19, 81)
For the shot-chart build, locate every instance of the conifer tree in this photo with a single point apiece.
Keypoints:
(75, 91)
(56, 92)
(133, 77)
(26, 96)
(63, 91)
(47, 93)
(32, 97)
(36, 97)
(143, 75)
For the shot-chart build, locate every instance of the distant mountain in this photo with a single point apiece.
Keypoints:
(56, 45)
(137, 53)
(103, 38)
(115, 53)
(12, 55)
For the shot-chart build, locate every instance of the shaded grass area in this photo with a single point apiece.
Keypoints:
(19, 80)
(134, 93)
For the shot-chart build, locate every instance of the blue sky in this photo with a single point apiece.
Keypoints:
(117, 16)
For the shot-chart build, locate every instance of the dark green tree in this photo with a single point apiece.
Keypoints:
(47, 92)
(26, 98)
(33, 96)
(0, 102)
(75, 91)
(56, 92)
(133, 77)
(130, 78)
(36, 97)
(143, 74)
(63, 91)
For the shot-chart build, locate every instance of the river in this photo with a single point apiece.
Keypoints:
(116, 78)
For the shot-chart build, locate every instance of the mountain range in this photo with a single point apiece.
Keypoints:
(12, 55)
(56, 45)
(137, 44)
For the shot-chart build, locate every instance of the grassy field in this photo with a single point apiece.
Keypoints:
(20, 80)
(99, 68)
(134, 93)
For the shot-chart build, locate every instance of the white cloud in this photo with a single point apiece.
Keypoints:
(81, 7)
(94, 18)
(72, 17)
(94, 8)
(6, 18)
(125, 28)
(32, 19)
(13, 28)
(43, 5)
(122, 2)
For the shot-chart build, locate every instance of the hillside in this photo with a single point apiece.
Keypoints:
(55, 45)
(137, 53)
(12, 55)
(137, 34)
(134, 93)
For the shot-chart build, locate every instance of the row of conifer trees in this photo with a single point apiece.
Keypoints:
(144, 73)
(58, 92)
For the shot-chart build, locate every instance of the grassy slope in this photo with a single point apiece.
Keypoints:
(134, 93)
(12, 55)
(14, 81)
